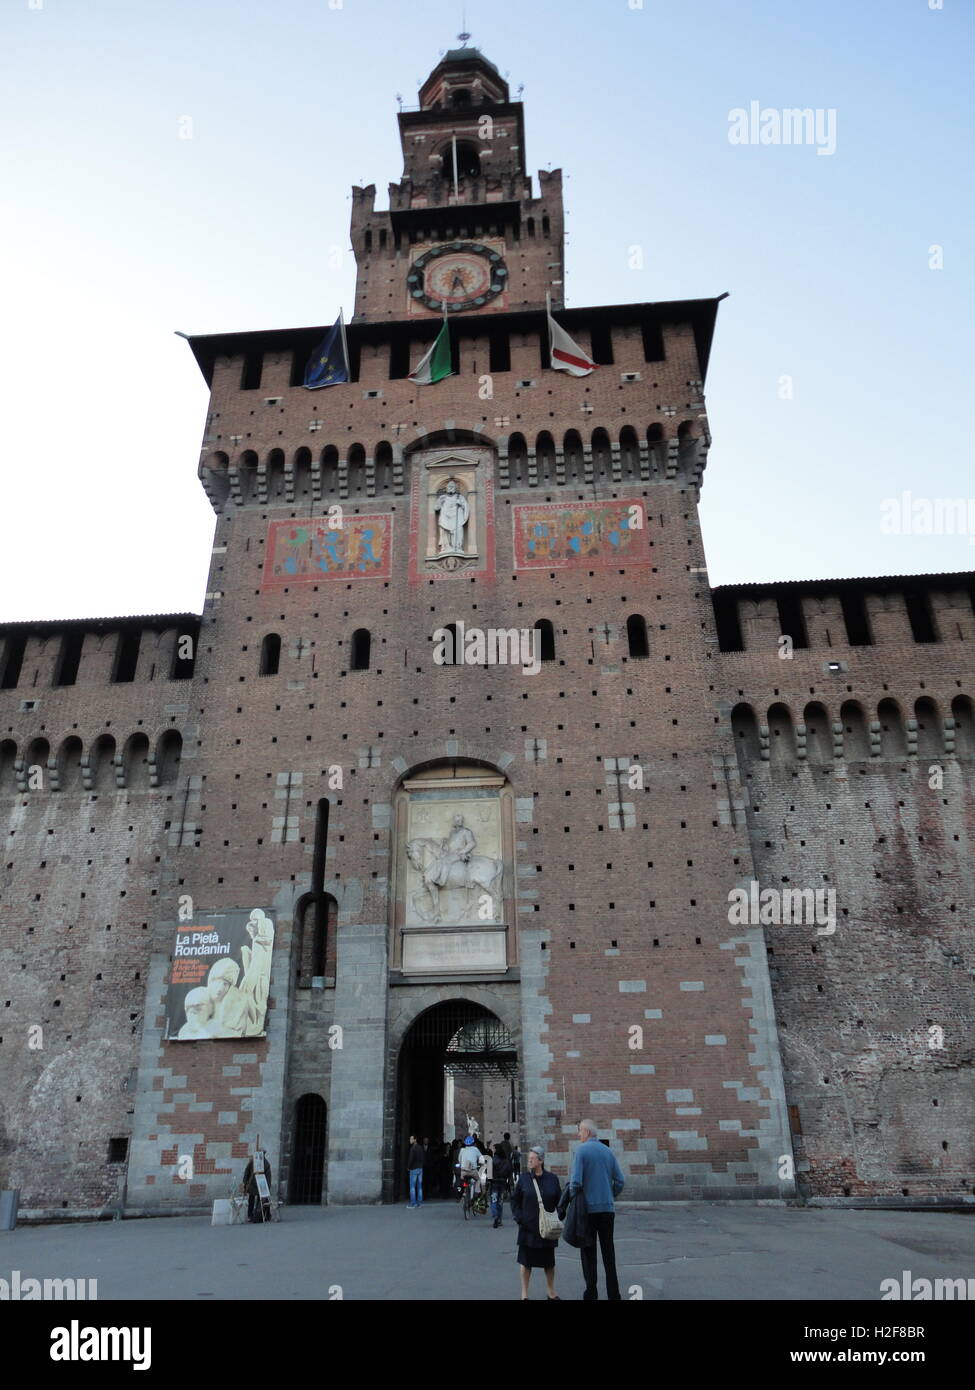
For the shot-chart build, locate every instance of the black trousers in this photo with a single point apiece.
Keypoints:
(601, 1225)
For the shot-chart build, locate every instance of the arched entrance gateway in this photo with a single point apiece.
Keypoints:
(458, 1061)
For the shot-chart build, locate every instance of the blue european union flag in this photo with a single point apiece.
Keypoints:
(329, 363)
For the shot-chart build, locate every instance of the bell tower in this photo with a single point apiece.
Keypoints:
(464, 228)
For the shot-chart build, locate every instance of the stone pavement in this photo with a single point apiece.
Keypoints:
(668, 1252)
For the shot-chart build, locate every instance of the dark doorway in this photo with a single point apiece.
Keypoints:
(308, 1153)
(457, 1038)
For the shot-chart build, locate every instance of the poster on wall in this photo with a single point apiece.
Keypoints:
(220, 976)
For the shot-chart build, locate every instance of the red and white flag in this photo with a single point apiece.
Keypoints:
(566, 355)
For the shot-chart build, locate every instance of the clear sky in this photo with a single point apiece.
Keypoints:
(118, 230)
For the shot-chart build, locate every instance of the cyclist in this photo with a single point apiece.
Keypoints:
(469, 1161)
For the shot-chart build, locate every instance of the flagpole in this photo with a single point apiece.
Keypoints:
(454, 143)
(345, 345)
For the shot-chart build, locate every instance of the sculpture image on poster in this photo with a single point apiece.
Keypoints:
(220, 977)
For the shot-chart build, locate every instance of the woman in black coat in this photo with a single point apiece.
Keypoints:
(534, 1252)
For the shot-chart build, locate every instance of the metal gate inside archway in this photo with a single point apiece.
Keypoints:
(458, 1064)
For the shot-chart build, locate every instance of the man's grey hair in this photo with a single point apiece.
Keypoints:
(590, 1125)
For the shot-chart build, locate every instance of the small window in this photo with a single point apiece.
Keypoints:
(270, 654)
(118, 1150)
(361, 644)
(636, 635)
(546, 639)
(13, 660)
(126, 656)
(250, 379)
(69, 658)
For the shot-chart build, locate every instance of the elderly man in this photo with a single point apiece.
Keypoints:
(199, 1011)
(597, 1174)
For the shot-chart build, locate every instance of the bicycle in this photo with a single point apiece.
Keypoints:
(469, 1197)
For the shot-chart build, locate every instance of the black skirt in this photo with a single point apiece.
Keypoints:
(534, 1258)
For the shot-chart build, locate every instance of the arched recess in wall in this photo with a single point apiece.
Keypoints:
(781, 736)
(574, 463)
(357, 470)
(687, 437)
(8, 756)
(69, 764)
(135, 761)
(637, 639)
(215, 476)
(360, 650)
(629, 454)
(453, 868)
(930, 741)
(316, 918)
(656, 446)
(330, 471)
(819, 739)
(518, 460)
(744, 728)
(601, 455)
(270, 655)
(247, 470)
(102, 764)
(856, 743)
(545, 639)
(384, 467)
(169, 752)
(275, 475)
(893, 739)
(545, 457)
(301, 473)
(36, 768)
(961, 709)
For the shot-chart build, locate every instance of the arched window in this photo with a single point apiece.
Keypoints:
(546, 639)
(856, 744)
(468, 161)
(270, 655)
(460, 96)
(361, 645)
(819, 748)
(892, 741)
(8, 756)
(69, 764)
(636, 635)
(930, 743)
(744, 726)
(546, 225)
(102, 763)
(169, 751)
(782, 744)
(961, 708)
(136, 761)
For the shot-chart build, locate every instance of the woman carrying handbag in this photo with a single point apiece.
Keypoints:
(533, 1207)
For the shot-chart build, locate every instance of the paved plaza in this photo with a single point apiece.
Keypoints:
(666, 1252)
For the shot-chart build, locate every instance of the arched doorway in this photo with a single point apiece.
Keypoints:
(308, 1153)
(457, 1059)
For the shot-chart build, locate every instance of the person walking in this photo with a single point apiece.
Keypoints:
(415, 1165)
(500, 1178)
(597, 1174)
(505, 1145)
(534, 1251)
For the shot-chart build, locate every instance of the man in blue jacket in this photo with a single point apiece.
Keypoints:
(597, 1174)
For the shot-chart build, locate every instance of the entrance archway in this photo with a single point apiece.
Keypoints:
(456, 1057)
(308, 1152)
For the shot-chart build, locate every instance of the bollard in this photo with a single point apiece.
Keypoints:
(8, 1208)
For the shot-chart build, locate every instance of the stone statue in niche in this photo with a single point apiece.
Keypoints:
(452, 863)
(452, 510)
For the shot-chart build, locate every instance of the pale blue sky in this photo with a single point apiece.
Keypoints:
(117, 231)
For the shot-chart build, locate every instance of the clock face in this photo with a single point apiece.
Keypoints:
(459, 274)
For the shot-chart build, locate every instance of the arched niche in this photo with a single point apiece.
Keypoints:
(453, 871)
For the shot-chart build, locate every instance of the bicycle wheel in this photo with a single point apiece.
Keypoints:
(466, 1203)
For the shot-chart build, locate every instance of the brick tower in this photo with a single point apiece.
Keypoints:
(491, 885)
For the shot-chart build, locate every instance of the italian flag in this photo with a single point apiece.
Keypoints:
(566, 355)
(435, 364)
